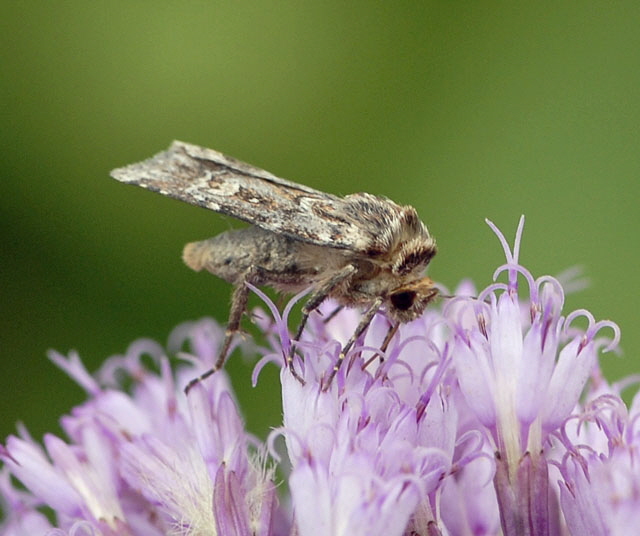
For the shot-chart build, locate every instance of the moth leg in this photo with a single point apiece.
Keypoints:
(393, 329)
(366, 319)
(314, 301)
(239, 300)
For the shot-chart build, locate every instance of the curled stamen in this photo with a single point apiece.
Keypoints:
(613, 344)
(576, 314)
(281, 431)
(593, 328)
(625, 383)
(257, 369)
(513, 269)
(491, 290)
(281, 321)
(539, 287)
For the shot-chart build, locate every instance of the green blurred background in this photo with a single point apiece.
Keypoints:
(465, 110)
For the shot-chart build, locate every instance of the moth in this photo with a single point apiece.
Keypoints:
(361, 250)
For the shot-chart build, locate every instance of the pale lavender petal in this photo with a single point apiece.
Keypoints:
(29, 464)
(567, 382)
(506, 343)
(92, 475)
(469, 505)
(477, 381)
(539, 355)
(580, 504)
(177, 481)
(20, 517)
(229, 508)
(309, 486)
(26, 523)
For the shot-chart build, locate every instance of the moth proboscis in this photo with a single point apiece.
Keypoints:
(361, 250)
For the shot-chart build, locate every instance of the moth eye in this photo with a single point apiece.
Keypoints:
(403, 300)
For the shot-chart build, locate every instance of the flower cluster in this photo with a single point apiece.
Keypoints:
(486, 416)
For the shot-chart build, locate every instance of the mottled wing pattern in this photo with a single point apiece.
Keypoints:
(212, 180)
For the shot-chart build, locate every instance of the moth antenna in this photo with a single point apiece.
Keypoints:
(452, 296)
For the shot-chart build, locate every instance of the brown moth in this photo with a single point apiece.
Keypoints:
(361, 250)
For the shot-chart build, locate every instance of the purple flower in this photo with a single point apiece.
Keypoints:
(151, 462)
(599, 476)
(479, 419)
(521, 369)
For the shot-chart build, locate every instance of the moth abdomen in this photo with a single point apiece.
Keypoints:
(273, 258)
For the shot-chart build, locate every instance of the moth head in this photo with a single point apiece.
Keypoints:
(409, 301)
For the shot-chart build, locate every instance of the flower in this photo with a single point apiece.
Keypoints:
(149, 462)
(521, 370)
(599, 477)
(485, 416)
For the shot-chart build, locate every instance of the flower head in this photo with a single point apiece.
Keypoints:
(599, 477)
(473, 421)
(149, 462)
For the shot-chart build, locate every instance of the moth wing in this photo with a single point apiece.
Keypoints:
(221, 183)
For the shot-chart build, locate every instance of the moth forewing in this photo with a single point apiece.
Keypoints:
(361, 250)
